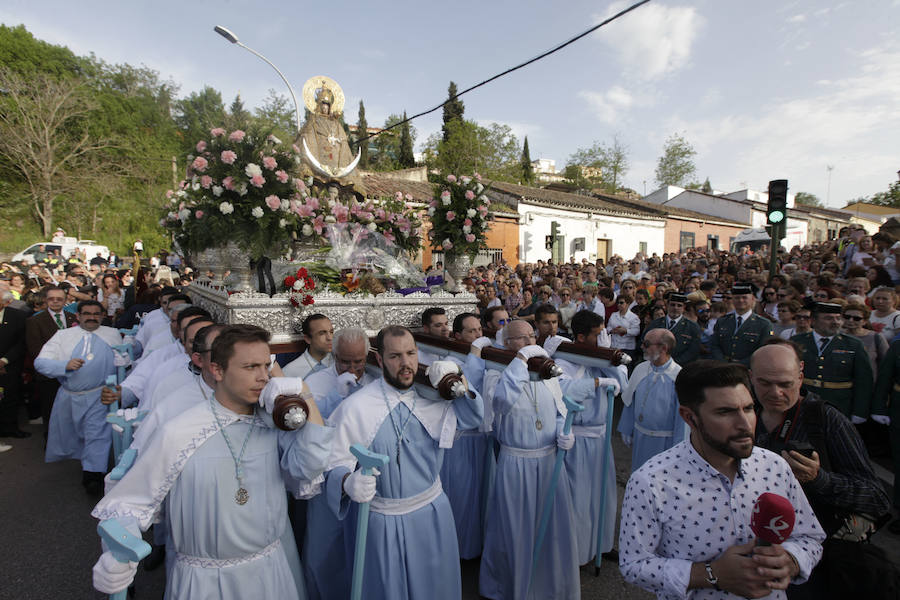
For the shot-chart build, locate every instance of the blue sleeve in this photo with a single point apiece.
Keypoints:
(49, 367)
(304, 455)
(626, 421)
(469, 410)
(474, 372)
(334, 492)
(509, 388)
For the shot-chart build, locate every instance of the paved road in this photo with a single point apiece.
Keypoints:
(49, 541)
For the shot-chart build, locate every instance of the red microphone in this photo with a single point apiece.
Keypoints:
(773, 519)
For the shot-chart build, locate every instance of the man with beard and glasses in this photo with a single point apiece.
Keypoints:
(650, 419)
(81, 358)
(412, 545)
(686, 512)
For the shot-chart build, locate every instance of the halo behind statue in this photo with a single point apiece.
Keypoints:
(314, 84)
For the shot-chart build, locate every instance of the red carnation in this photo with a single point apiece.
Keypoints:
(310, 284)
(307, 300)
(294, 302)
(289, 281)
(302, 273)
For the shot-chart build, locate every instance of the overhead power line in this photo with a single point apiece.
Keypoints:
(556, 48)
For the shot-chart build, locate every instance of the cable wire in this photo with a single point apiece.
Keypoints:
(556, 48)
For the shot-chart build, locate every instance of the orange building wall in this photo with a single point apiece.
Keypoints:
(674, 227)
(503, 233)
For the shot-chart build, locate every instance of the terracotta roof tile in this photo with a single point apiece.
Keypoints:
(557, 199)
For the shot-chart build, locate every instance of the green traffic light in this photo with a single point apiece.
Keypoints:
(776, 216)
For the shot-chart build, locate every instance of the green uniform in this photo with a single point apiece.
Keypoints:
(737, 346)
(887, 402)
(687, 338)
(841, 375)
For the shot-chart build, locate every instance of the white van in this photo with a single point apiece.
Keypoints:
(65, 245)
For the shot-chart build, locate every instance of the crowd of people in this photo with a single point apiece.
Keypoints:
(736, 383)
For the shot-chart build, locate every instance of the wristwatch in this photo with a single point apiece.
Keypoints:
(711, 579)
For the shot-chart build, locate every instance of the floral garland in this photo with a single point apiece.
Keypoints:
(300, 287)
(459, 216)
(244, 187)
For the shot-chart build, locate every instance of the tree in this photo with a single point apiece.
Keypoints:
(706, 187)
(386, 146)
(676, 165)
(406, 158)
(44, 134)
(889, 198)
(276, 115)
(601, 165)
(197, 114)
(362, 132)
(492, 151)
(574, 175)
(453, 110)
(806, 199)
(527, 167)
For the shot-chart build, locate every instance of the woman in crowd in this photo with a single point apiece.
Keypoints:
(855, 318)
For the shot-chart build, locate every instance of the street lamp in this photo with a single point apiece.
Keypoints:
(228, 35)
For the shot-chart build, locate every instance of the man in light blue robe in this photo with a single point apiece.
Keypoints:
(411, 549)
(650, 422)
(528, 419)
(81, 358)
(325, 553)
(468, 465)
(155, 319)
(221, 468)
(177, 370)
(584, 462)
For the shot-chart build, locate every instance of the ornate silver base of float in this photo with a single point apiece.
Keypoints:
(277, 315)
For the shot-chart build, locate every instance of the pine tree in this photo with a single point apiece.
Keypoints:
(406, 157)
(238, 117)
(527, 168)
(453, 109)
(362, 131)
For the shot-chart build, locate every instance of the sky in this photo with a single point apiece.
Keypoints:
(804, 90)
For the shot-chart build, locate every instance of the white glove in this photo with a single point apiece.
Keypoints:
(626, 439)
(361, 488)
(130, 414)
(346, 384)
(532, 351)
(111, 576)
(279, 386)
(883, 419)
(482, 343)
(857, 420)
(440, 369)
(609, 382)
(551, 344)
(565, 441)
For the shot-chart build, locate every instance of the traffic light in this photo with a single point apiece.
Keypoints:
(554, 229)
(777, 211)
(548, 242)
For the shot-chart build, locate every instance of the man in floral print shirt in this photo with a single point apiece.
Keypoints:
(686, 515)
